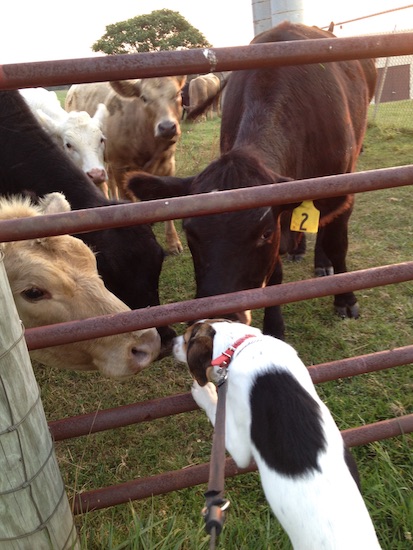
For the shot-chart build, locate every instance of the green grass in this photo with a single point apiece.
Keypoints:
(381, 232)
(61, 95)
(393, 114)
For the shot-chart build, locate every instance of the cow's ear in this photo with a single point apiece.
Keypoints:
(147, 187)
(101, 115)
(181, 80)
(50, 125)
(53, 203)
(127, 88)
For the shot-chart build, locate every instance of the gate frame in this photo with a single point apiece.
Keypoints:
(202, 61)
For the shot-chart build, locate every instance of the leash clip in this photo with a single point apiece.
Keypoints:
(222, 375)
(214, 515)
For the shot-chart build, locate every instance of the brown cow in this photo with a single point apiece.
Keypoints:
(300, 121)
(142, 129)
(201, 89)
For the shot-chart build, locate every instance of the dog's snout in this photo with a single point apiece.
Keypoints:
(178, 349)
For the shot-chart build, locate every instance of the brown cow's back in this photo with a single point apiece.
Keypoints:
(320, 107)
(85, 97)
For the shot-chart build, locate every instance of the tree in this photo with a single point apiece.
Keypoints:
(155, 31)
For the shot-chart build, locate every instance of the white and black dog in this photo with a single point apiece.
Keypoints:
(274, 415)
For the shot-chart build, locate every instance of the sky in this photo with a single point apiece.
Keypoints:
(33, 30)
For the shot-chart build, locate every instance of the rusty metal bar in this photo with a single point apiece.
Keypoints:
(144, 411)
(213, 306)
(198, 60)
(393, 427)
(362, 364)
(119, 417)
(195, 475)
(81, 221)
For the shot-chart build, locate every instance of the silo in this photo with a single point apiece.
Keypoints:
(268, 13)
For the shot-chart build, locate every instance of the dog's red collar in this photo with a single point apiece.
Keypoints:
(224, 359)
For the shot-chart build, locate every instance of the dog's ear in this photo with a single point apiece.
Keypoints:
(199, 351)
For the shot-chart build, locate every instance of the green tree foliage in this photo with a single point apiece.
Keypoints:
(155, 31)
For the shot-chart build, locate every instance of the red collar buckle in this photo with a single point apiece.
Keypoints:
(225, 358)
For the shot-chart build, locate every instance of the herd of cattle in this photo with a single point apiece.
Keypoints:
(116, 142)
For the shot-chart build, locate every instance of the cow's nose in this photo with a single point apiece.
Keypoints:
(167, 129)
(97, 175)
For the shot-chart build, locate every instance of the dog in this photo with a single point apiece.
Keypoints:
(274, 416)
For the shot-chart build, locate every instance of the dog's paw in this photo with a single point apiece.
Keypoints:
(204, 396)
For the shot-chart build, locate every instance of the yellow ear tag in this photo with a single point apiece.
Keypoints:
(305, 218)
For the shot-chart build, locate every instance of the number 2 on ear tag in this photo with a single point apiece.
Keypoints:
(305, 218)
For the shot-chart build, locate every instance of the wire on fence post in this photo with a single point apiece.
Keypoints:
(216, 505)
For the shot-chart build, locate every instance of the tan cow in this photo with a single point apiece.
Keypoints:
(201, 89)
(54, 280)
(141, 130)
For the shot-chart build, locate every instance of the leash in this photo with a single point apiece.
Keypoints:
(216, 505)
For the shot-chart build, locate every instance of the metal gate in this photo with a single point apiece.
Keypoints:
(204, 61)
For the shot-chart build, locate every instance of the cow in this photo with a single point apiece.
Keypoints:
(129, 259)
(278, 123)
(55, 280)
(201, 89)
(79, 134)
(142, 129)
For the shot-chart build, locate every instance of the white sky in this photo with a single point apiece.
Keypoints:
(42, 30)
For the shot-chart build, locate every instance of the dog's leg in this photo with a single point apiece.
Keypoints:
(206, 398)
(237, 438)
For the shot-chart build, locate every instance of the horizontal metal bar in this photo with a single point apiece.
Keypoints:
(200, 60)
(81, 221)
(195, 475)
(119, 417)
(393, 427)
(213, 306)
(361, 364)
(144, 411)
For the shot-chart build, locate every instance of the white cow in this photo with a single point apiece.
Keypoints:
(77, 133)
(55, 280)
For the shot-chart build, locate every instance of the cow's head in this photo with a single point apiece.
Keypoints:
(161, 99)
(82, 138)
(231, 251)
(55, 280)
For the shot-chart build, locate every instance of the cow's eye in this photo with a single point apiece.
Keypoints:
(266, 236)
(68, 145)
(143, 98)
(35, 294)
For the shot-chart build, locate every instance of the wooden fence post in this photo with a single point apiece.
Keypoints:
(34, 508)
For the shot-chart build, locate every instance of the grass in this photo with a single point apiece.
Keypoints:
(393, 114)
(381, 232)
